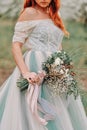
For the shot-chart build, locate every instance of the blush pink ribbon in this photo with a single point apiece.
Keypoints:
(32, 97)
(32, 100)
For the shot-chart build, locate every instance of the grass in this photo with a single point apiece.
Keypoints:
(6, 32)
(77, 41)
(6, 60)
(77, 44)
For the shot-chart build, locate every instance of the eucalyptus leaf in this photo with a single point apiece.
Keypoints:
(22, 83)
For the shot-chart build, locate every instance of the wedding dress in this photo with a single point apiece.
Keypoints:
(41, 38)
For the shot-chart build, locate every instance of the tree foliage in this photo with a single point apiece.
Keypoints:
(10, 9)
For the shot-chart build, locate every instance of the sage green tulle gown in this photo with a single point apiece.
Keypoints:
(41, 38)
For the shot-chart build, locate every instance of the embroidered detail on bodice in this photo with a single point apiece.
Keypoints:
(40, 35)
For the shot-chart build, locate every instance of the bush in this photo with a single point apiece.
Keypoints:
(83, 13)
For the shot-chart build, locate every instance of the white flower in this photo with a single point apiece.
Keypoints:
(61, 71)
(57, 61)
(71, 63)
(67, 70)
(64, 52)
(63, 89)
(66, 75)
(59, 51)
(62, 62)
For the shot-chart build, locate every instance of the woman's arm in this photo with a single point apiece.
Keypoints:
(17, 52)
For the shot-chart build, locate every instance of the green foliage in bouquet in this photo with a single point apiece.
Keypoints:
(61, 54)
(73, 88)
(60, 77)
(22, 83)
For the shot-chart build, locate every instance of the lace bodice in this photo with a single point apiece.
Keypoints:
(40, 35)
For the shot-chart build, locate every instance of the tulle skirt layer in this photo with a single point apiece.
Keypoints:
(15, 113)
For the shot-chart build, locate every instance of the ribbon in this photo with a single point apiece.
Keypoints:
(34, 97)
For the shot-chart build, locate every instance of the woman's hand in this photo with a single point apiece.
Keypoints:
(32, 77)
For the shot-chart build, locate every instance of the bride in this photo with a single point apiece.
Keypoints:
(41, 30)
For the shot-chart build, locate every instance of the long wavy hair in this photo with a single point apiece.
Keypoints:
(53, 12)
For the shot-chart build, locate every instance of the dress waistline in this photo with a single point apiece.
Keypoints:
(44, 51)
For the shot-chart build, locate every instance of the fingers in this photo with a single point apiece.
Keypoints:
(34, 78)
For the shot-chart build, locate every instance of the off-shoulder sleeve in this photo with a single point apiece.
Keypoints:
(22, 31)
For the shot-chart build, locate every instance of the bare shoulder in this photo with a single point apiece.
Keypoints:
(28, 14)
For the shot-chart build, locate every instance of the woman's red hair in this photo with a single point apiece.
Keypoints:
(53, 12)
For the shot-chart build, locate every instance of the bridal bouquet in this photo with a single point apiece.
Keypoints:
(60, 78)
